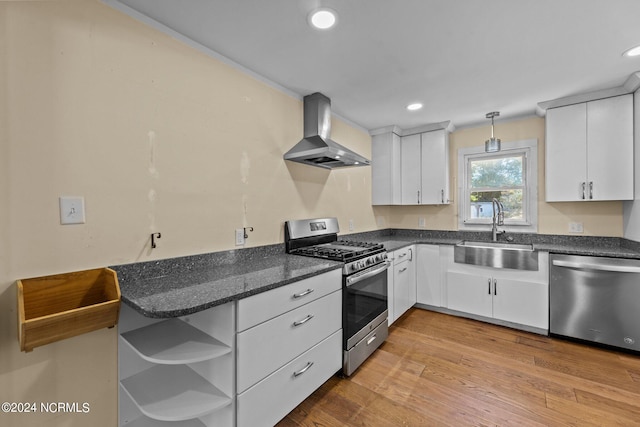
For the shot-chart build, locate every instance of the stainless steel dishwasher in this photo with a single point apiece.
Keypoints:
(595, 299)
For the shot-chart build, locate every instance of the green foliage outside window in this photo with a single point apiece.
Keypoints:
(501, 178)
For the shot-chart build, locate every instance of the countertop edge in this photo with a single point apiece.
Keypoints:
(134, 275)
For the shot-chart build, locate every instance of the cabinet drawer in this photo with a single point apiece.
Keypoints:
(401, 255)
(266, 347)
(274, 397)
(259, 308)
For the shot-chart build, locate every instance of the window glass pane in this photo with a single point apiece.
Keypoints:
(481, 208)
(496, 172)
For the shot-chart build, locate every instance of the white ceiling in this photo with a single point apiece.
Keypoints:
(460, 58)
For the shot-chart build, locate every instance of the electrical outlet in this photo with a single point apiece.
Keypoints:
(576, 227)
(351, 227)
(239, 236)
(421, 222)
(71, 210)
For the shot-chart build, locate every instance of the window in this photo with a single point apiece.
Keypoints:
(509, 176)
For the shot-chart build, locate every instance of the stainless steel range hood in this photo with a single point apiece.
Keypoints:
(316, 148)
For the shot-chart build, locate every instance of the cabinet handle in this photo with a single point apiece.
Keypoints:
(303, 370)
(402, 270)
(301, 294)
(584, 190)
(442, 196)
(489, 282)
(411, 252)
(418, 196)
(402, 255)
(495, 287)
(590, 190)
(372, 339)
(303, 321)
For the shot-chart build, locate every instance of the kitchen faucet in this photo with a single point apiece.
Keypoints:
(498, 219)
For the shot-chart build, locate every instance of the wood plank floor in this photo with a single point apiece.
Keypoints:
(440, 370)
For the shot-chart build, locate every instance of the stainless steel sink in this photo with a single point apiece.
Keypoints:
(497, 255)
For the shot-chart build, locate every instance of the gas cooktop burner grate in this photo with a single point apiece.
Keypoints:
(340, 250)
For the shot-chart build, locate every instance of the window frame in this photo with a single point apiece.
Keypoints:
(528, 149)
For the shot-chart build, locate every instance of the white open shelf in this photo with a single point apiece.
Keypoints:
(173, 393)
(148, 422)
(173, 342)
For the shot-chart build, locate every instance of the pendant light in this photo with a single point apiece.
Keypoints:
(492, 145)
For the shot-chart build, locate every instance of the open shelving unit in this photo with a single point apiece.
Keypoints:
(177, 372)
(173, 342)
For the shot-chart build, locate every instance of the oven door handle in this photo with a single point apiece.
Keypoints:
(367, 273)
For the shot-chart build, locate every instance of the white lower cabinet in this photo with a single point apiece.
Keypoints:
(514, 296)
(265, 403)
(289, 342)
(402, 289)
(428, 272)
(177, 372)
(243, 363)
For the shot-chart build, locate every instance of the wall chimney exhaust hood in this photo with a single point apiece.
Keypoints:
(316, 148)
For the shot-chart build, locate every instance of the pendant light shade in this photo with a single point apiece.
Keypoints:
(492, 145)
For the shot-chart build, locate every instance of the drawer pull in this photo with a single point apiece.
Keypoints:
(402, 270)
(301, 294)
(303, 321)
(372, 339)
(303, 370)
(402, 255)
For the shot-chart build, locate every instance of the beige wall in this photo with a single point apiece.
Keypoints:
(598, 218)
(156, 136)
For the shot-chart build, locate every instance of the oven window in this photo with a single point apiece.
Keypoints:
(363, 302)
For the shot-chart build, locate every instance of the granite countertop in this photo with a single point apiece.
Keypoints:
(185, 285)
(570, 245)
(180, 286)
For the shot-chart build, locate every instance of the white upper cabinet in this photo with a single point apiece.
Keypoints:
(385, 169)
(410, 170)
(589, 151)
(425, 168)
(435, 168)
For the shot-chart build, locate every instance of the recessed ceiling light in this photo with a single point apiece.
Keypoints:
(322, 18)
(414, 106)
(634, 51)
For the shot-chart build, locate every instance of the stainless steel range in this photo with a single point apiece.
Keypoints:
(364, 283)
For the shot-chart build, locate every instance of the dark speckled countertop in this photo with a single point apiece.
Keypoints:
(572, 245)
(180, 286)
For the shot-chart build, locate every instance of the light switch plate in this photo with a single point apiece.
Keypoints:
(71, 210)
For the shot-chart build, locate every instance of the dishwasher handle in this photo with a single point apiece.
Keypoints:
(599, 267)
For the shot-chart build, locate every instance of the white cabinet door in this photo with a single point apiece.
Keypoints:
(526, 303)
(566, 156)
(610, 148)
(589, 151)
(385, 169)
(404, 281)
(390, 291)
(428, 283)
(410, 169)
(435, 168)
(469, 293)
(515, 296)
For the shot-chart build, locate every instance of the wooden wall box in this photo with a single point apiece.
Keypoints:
(52, 308)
